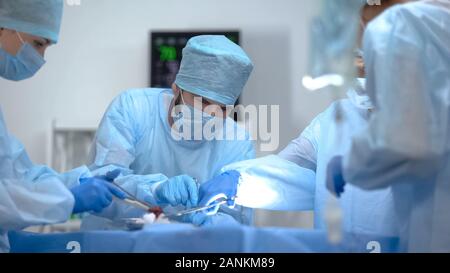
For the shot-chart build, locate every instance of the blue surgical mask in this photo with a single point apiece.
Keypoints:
(22, 66)
(196, 120)
(358, 95)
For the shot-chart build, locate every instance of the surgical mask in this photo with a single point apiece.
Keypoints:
(194, 120)
(22, 66)
(359, 53)
(358, 95)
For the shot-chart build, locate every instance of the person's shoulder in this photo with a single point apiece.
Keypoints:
(398, 11)
(139, 96)
(136, 100)
(424, 16)
(384, 23)
(404, 26)
(400, 18)
(142, 92)
(236, 131)
(238, 142)
(418, 9)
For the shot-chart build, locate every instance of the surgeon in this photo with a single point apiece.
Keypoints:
(295, 179)
(166, 142)
(406, 145)
(32, 194)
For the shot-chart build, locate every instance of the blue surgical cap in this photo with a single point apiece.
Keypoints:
(36, 17)
(215, 68)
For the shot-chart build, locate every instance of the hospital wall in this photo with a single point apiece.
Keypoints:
(104, 50)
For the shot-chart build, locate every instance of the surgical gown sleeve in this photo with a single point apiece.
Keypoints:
(243, 151)
(114, 148)
(31, 194)
(23, 203)
(282, 182)
(406, 133)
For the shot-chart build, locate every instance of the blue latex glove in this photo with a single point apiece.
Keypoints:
(202, 219)
(223, 186)
(95, 194)
(178, 190)
(335, 178)
(110, 176)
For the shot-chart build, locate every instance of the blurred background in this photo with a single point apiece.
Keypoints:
(105, 48)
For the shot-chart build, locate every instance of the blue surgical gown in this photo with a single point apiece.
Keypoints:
(407, 142)
(135, 137)
(296, 178)
(31, 194)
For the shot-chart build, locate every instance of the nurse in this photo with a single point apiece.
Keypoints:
(32, 194)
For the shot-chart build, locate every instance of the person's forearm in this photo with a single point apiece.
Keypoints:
(274, 183)
(43, 201)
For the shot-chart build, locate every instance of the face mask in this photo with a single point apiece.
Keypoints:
(193, 119)
(359, 53)
(22, 66)
(358, 95)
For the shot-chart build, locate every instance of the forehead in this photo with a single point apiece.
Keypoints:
(203, 98)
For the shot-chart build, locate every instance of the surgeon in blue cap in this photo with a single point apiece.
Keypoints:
(27, 29)
(160, 141)
(32, 194)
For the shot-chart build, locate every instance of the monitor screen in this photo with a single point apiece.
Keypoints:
(166, 53)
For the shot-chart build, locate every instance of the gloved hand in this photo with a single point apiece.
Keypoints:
(95, 194)
(222, 186)
(110, 176)
(335, 178)
(178, 190)
(201, 219)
